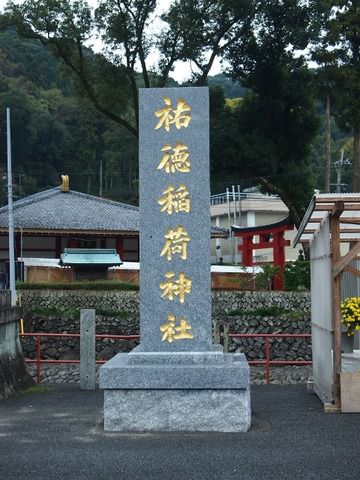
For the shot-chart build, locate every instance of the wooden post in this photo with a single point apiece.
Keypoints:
(336, 316)
(247, 253)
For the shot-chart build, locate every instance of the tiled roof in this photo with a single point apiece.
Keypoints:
(74, 211)
(90, 256)
(71, 211)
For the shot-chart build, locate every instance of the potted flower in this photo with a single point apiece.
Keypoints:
(350, 311)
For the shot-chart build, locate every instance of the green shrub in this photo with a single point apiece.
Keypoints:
(272, 311)
(73, 312)
(85, 285)
(297, 275)
(265, 279)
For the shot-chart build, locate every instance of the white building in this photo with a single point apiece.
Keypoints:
(247, 209)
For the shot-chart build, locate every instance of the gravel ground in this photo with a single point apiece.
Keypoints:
(286, 375)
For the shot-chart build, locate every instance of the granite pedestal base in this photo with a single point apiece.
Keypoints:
(186, 392)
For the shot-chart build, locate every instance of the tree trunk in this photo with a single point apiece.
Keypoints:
(356, 160)
(328, 145)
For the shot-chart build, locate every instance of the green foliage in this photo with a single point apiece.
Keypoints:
(276, 122)
(73, 312)
(56, 131)
(37, 389)
(297, 275)
(271, 311)
(93, 285)
(340, 140)
(264, 140)
(337, 53)
(54, 312)
(232, 90)
(265, 279)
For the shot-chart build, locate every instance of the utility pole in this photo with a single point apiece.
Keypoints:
(101, 178)
(338, 167)
(10, 212)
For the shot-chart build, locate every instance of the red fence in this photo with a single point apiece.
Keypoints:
(267, 361)
(39, 361)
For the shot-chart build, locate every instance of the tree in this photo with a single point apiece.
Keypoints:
(338, 53)
(192, 30)
(276, 122)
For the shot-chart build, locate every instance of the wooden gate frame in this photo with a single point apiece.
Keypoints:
(344, 211)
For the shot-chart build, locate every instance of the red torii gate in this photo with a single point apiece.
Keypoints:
(270, 236)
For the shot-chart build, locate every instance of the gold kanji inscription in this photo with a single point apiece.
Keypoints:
(175, 200)
(179, 116)
(175, 159)
(176, 240)
(172, 287)
(172, 332)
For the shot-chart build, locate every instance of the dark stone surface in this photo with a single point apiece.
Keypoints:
(59, 434)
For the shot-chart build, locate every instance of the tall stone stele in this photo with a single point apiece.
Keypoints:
(175, 380)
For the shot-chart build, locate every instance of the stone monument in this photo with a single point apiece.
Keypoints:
(175, 380)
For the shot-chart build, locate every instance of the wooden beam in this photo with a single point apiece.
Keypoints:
(353, 239)
(315, 220)
(323, 208)
(352, 270)
(340, 198)
(349, 230)
(343, 262)
(350, 220)
(352, 207)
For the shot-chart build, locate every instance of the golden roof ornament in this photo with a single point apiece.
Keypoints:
(65, 183)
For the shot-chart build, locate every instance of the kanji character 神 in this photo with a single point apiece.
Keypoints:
(178, 288)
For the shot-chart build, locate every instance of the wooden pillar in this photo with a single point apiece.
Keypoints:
(57, 247)
(336, 294)
(247, 253)
(279, 259)
(71, 243)
(120, 247)
(17, 245)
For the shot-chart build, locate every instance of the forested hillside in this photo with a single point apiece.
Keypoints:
(74, 111)
(55, 130)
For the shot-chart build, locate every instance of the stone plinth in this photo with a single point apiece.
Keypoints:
(188, 391)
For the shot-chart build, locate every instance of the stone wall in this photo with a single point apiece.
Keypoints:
(127, 301)
(224, 304)
(223, 301)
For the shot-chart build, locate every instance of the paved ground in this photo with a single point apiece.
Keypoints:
(58, 434)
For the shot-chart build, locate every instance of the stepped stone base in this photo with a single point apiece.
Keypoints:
(183, 392)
